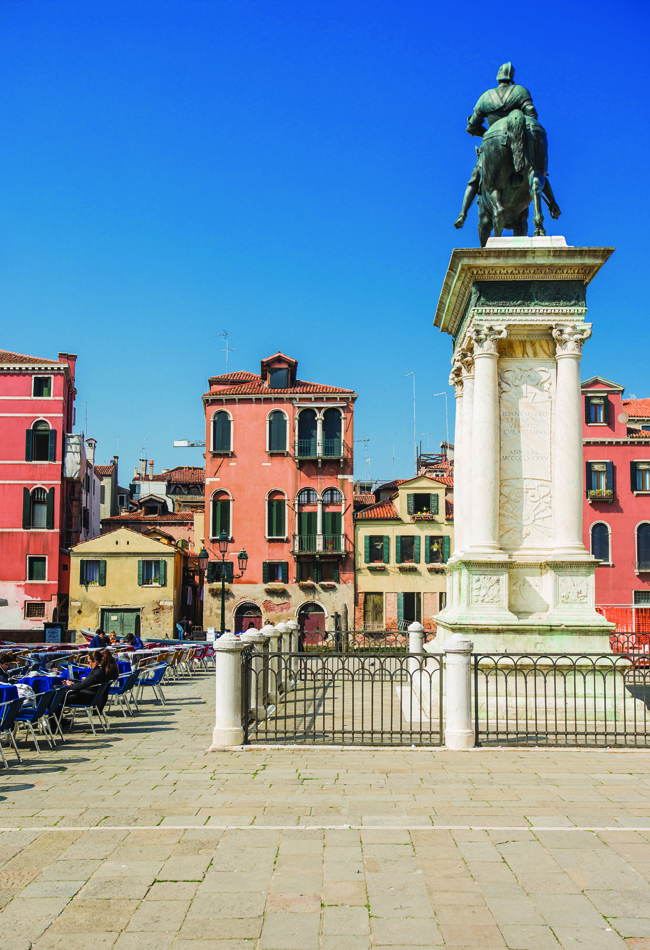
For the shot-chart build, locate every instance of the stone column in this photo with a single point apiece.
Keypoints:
(567, 441)
(294, 631)
(484, 487)
(228, 730)
(455, 379)
(465, 477)
(275, 664)
(459, 730)
(258, 686)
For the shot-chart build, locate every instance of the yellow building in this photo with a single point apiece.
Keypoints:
(126, 582)
(402, 544)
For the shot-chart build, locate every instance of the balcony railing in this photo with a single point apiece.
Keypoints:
(323, 448)
(642, 566)
(319, 544)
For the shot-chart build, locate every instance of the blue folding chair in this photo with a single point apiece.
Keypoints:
(122, 691)
(152, 677)
(8, 713)
(30, 715)
(93, 702)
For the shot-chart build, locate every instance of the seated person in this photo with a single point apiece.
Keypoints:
(99, 640)
(102, 669)
(134, 641)
(112, 638)
(5, 663)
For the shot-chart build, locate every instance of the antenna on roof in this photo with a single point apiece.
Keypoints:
(226, 349)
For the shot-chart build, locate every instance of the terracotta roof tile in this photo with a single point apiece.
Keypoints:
(182, 474)
(173, 516)
(7, 357)
(105, 469)
(447, 480)
(394, 484)
(364, 499)
(381, 510)
(637, 408)
(241, 376)
(637, 434)
(254, 386)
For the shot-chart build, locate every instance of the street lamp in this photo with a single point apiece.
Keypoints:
(242, 562)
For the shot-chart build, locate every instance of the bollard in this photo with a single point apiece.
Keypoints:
(294, 632)
(258, 686)
(416, 660)
(228, 730)
(284, 647)
(274, 660)
(459, 729)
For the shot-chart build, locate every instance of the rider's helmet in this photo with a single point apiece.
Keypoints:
(506, 72)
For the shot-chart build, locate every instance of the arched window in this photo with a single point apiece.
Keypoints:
(306, 434)
(40, 443)
(221, 520)
(643, 547)
(307, 497)
(332, 496)
(276, 520)
(38, 508)
(221, 432)
(600, 542)
(277, 431)
(332, 432)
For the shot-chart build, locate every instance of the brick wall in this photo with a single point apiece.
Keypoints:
(430, 606)
(358, 611)
(390, 609)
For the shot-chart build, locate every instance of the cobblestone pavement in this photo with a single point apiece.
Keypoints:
(142, 839)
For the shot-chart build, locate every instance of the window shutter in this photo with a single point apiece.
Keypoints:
(49, 523)
(102, 573)
(316, 572)
(336, 572)
(265, 572)
(446, 547)
(416, 550)
(162, 573)
(210, 572)
(366, 549)
(435, 502)
(27, 509)
(281, 518)
(52, 446)
(587, 408)
(400, 607)
(427, 549)
(410, 504)
(140, 573)
(386, 549)
(229, 572)
(221, 434)
(633, 476)
(28, 445)
(588, 478)
(82, 572)
(609, 476)
(270, 519)
(605, 410)
(398, 549)
(285, 572)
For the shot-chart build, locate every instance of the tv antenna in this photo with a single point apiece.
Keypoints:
(226, 349)
(446, 413)
(415, 438)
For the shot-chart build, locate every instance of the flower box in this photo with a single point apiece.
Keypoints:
(436, 569)
(376, 567)
(307, 584)
(328, 585)
(275, 589)
(597, 494)
(408, 567)
(423, 517)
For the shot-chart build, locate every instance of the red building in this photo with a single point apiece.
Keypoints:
(616, 435)
(279, 482)
(37, 399)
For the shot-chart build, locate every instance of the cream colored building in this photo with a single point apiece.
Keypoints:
(127, 582)
(402, 544)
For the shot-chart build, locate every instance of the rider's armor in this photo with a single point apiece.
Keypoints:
(498, 103)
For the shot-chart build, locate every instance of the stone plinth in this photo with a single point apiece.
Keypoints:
(520, 578)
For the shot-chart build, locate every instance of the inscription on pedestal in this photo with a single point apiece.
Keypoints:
(526, 390)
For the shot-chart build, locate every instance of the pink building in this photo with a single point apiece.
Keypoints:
(616, 523)
(279, 482)
(37, 399)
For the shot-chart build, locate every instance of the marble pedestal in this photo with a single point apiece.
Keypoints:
(520, 578)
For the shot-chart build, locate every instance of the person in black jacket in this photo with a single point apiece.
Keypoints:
(5, 663)
(103, 669)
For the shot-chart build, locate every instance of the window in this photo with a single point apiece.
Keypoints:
(422, 503)
(85, 516)
(332, 530)
(38, 508)
(599, 480)
(640, 476)
(40, 443)
(221, 432)
(596, 410)
(332, 496)
(443, 599)
(36, 568)
(377, 549)
(220, 515)
(151, 510)
(276, 516)
(600, 542)
(121, 501)
(306, 447)
(34, 609)
(307, 497)
(102, 494)
(92, 573)
(332, 432)
(42, 387)
(434, 550)
(373, 611)
(215, 569)
(275, 572)
(408, 609)
(329, 571)
(279, 378)
(642, 597)
(643, 547)
(598, 476)
(277, 432)
(152, 573)
(309, 571)
(407, 549)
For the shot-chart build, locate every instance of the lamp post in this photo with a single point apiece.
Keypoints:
(203, 566)
(242, 562)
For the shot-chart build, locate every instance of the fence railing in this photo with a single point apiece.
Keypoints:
(323, 448)
(342, 699)
(570, 699)
(353, 641)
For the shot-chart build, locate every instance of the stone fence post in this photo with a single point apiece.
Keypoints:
(275, 663)
(259, 677)
(228, 730)
(459, 728)
(294, 633)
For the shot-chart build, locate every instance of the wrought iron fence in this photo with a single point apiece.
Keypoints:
(355, 641)
(569, 699)
(372, 699)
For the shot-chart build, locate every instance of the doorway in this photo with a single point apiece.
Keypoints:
(121, 621)
(245, 614)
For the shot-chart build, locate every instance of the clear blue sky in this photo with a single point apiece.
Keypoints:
(290, 171)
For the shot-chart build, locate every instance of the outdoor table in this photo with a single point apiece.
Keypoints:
(41, 684)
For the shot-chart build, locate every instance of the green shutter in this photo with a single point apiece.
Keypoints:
(220, 518)
(416, 550)
(605, 410)
(276, 519)
(162, 573)
(336, 572)
(28, 445)
(102, 573)
(27, 509)
(427, 549)
(398, 549)
(386, 549)
(82, 573)
(221, 432)
(400, 607)
(446, 548)
(49, 523)
(632, 476)
(140, 573)
(265, 572)
(281, 518)
(285, 572)
(51, 456)
(609, 476)
(410, 504)
(229, 572)
(366, 549)
(587, 406)
(210, 571)
(316, 571)
(225, 517)
(588, 478)
(435, 500)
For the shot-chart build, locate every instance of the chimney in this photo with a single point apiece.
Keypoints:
(135, 471)
(143, 468)
(90, 453)
(150, 468)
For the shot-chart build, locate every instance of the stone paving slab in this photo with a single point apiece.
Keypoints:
(142, 840)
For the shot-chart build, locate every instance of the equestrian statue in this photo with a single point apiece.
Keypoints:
(512, 162)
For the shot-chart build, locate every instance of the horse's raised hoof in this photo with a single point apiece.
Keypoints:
(555, 212)
(540, 232)
(460, 220)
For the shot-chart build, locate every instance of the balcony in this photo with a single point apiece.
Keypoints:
(319, 544)
(601, 494)
(643, 567)
(319, 449)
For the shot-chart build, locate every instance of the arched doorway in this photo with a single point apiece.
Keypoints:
(245, 614)
(311, 618)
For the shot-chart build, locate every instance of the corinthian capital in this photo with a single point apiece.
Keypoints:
(456, 376)
(569, 338)
(486, 340)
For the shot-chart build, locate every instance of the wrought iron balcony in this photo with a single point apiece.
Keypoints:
(319, 449)
(319, 544)
(643, 567)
